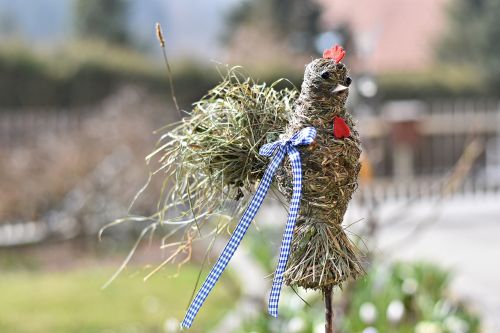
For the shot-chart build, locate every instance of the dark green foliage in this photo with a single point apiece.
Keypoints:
(457, 81)
(299, 20)
(87, 73)
(102, 19)
(472, 38)
(9, 27)
(33, 80)
(28, 82)
(295, 20)
(84, 74)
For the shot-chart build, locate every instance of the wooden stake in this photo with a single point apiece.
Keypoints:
(328, 310)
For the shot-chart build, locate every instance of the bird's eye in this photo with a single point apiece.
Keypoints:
(348, 81)
(325, 75)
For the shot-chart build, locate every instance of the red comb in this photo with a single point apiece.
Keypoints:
(336, 53)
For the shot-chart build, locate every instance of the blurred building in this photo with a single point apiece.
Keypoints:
(390, 35)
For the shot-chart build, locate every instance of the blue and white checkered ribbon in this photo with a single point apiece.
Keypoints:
(280, 149)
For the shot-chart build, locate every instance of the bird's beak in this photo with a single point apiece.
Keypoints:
(339, 88)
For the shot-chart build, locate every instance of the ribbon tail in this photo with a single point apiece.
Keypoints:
(288, 234)
(235, 239)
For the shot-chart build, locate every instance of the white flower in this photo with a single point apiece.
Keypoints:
(395, 311)
(319, 328)
(409, 286)
(456, 325)
(370, 330)
(368, 313)
(428, 327)
(296, 325)
(171, 325)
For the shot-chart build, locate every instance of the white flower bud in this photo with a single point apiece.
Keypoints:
(171, 325)
(368, 313)
(395, 311)
(455, 324)
(370, 330)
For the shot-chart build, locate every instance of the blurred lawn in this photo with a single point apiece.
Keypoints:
(67, 302)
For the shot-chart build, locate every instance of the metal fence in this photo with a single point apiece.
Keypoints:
(427, 140)
(414, 147)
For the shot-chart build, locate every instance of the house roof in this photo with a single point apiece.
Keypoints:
(390, 35)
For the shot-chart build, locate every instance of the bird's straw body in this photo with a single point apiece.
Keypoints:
(322, 254)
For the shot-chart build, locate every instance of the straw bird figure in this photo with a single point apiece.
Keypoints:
(221, 156)
(322, 255)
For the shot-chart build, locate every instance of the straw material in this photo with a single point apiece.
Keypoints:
(211, 163)
(210, 160)
(322, 254)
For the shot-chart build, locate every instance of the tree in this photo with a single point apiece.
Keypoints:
(472, 37)
(103, 19)
(9, 26)
(295, 20)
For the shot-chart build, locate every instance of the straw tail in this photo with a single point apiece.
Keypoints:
(322, 256)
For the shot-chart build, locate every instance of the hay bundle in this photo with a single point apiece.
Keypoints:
(213, 159)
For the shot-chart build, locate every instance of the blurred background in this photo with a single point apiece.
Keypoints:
(83, 87)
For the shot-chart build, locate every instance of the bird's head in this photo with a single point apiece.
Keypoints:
(326, 78)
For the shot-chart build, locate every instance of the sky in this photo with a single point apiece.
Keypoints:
(190, 26)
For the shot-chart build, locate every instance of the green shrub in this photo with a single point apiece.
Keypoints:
(407, 298)
(84, 73)
(439, 82)
(396, 298)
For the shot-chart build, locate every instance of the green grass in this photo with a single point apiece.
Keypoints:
(67, 302)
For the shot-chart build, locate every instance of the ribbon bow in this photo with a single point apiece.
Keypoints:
(280, 149)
